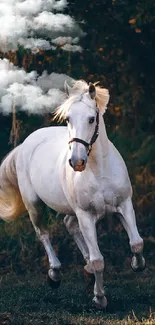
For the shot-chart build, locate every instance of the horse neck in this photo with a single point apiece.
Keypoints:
(99, 153)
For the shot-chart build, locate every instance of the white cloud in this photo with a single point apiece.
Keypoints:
(31, 19)
(72, 48)
(62, 40)
(35, 44)
(68, 43)
(31, 7)
(28, 91)
(54, 23)
(54, 80)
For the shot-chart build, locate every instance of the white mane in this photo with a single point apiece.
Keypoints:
(79, 88)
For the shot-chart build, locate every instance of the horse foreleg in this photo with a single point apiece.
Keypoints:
(36, 213)
(71, 223)
(95, 265)
(127, 217)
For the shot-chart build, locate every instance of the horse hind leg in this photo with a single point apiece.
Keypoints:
(36, 210)
(127, 217)
(37, 217)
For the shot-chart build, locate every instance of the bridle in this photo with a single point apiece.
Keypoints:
(93, 139)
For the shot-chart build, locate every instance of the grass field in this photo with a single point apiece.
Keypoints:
(28, 299)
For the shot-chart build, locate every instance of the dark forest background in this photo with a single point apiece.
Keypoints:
(118, 51)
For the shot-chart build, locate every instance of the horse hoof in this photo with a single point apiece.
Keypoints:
(54, 278)
(138, 267)
(53, 284)
(100, 302)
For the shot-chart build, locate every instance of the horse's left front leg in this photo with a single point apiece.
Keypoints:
(127, 217)
(95, 264)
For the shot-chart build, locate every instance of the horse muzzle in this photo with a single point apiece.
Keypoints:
(78, 165)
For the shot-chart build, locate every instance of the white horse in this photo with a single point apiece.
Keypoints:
(76, 171)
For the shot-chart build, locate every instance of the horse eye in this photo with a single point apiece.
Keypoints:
(91, 120)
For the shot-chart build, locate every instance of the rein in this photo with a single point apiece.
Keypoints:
(93, 139)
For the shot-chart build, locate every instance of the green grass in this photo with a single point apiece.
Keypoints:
(29, 300)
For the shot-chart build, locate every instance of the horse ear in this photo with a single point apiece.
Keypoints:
(92, 90)
(67, 88)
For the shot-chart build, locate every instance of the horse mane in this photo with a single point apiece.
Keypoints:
(79, 88)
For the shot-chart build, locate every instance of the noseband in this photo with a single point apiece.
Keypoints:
(93, 139)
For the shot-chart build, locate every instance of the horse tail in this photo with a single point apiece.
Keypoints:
(11, 204)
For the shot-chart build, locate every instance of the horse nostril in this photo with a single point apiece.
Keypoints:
(70, 162)
(77, 163)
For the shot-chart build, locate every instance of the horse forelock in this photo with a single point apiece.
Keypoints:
(79, 88)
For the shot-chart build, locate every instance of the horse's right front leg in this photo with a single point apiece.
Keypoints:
(71, 223)
(95, 265)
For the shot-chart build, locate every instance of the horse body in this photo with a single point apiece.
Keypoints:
(84, 181)
(40, 163)
(42, 159)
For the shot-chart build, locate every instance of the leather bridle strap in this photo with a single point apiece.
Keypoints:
(93, 139)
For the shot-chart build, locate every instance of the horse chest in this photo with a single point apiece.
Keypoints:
(100, 196)
(97, 198)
